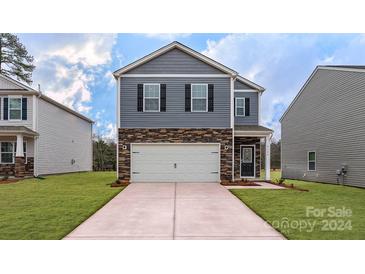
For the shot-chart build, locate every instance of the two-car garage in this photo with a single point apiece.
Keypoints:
(178, 162)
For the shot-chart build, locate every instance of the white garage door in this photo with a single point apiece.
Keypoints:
(175, 163)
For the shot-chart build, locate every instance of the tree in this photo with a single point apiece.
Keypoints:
(14, 58)
(275, 152)
(104, 155)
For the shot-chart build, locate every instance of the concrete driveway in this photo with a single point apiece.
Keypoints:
(174, 211)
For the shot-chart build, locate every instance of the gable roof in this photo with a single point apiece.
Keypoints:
(28, 90)
(350, 68)
(191, 52)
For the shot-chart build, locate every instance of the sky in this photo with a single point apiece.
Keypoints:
(76, 69)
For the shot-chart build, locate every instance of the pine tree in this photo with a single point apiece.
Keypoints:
(14, 58)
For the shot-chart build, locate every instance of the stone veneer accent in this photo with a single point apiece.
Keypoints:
(126, 136)
(9, 169)
(238, 141)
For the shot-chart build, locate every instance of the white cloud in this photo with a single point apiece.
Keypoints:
(93, 50)
(110, 131)
(282, 62)
(167, 36)
(67, 66)
(108, 76)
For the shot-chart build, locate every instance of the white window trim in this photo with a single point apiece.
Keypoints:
(21, 106)
(159, 97)
(14, 151)
(191, 98)
(315, 160)
(244, 106)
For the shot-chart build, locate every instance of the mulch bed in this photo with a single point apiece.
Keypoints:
(8, 181)
(239, 183)
(290, 186)
(119, 183)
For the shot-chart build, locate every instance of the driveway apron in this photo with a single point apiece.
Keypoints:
(174, 211)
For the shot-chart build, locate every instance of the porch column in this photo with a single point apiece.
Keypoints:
(19, 157)
(267, 157)
(19, 146)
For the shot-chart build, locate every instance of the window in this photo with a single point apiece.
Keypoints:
(199, 97)
(240, 106)
(8, 151)
(151, 97)
(15, 108)
(312, 161)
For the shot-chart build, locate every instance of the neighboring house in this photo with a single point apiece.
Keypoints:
(183, 117)
(39, 136)
(323, 130)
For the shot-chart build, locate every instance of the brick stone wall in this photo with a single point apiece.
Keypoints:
(238, 141)
(9, 169)
(126, 136)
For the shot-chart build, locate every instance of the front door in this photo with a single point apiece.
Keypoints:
(247, 161)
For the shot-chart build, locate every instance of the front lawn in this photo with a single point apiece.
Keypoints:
(325, 212)
(52, 207)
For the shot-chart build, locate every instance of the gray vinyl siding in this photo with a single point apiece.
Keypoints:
(252, 119)
(175, 61)
(62, 137)
(27, 123)
(329, 118)
(175, 115)
(240, 85)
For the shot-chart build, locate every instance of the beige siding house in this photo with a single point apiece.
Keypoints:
(40, 136)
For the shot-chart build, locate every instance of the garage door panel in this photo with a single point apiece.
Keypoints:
(175, 163)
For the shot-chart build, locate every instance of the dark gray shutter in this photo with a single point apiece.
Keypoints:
(24, 108)
(210, 97)
(247, 106)
(140, 97)
(234, 106)
(187, 97)
(163, 98)
(5, 108)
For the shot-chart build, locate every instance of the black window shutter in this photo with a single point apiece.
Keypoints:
(210, 97)
(5, 108)
(234, 106)
(187, 97)
(140, 97)
(24, 108)
(247, 106)
(163, 98)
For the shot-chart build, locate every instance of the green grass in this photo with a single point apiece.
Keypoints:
(279, 206)
(53, 207)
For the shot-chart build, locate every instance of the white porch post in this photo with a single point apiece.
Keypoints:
(19, 146)
(267, 157)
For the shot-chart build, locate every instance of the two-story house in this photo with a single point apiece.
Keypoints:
(322, 131)
(40, 136)
(183, 117)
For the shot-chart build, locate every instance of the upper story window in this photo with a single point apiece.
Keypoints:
(15, 108)
(199, 97)
(151, 97)
(312, 157)
(240, 106)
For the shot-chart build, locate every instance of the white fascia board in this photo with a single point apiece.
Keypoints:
(169, 47)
